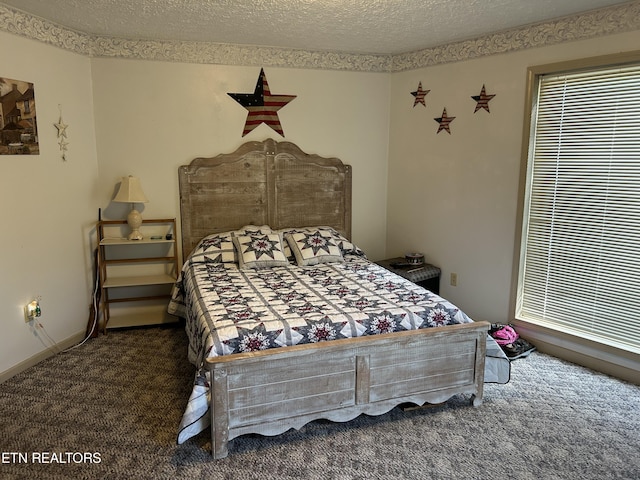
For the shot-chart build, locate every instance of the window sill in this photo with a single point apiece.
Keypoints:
(603, 358)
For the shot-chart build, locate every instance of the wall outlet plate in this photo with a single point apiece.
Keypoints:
(31, 311)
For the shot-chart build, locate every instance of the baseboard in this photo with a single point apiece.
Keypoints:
(611, 361)
(43, 355)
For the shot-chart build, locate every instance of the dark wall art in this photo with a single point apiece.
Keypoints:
(18, 126)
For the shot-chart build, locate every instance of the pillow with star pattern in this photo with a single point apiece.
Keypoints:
(346, 247)
(313, 247)
(215, 248)
(260, 251)
(218, 247)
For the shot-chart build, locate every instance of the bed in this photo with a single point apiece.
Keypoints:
(288, 321)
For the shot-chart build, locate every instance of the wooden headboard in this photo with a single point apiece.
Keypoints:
(263, 183)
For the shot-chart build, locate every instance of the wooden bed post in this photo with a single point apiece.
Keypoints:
(481, 352)
(219, 413)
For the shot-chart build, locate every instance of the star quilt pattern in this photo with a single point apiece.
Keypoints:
(231, 310)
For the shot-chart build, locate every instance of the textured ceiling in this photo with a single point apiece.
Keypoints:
(351, 26)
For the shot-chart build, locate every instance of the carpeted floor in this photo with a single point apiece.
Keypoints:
(110, 409)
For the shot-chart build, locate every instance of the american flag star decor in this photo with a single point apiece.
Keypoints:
(444, 122)
(420, 94)
(482, 100)
(262, 106)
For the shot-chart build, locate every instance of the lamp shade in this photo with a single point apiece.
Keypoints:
(130, 191)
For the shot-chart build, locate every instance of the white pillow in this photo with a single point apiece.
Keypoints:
(260, 251)
(313, 247)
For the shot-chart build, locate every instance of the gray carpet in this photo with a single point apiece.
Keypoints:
(119, 398)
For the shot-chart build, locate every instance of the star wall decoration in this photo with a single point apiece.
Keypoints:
(262, 106)
(482, 100)
(62, 143)
(419, 94)
(62, 128)
(444, 122)
(62, 135)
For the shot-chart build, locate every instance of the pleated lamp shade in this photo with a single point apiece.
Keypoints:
(130, 191)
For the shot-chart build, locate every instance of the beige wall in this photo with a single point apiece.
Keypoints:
(46, 208)
(454, 197)
(152, 117)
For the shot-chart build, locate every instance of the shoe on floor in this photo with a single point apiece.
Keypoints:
(518, 349)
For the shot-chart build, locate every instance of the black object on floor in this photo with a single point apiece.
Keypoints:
(518, 349)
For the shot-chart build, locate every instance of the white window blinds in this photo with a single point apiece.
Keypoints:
(580, 259)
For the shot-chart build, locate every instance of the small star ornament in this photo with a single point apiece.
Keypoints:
(482, 100)
(62, 128)
(444, 122)
(419, 95)
(62, 135)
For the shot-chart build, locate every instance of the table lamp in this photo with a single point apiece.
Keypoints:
(130, 191)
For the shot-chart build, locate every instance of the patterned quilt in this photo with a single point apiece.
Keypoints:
(230, 310)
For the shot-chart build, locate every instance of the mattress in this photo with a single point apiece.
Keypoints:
(229, 309)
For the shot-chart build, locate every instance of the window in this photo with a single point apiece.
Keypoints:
(579, 266)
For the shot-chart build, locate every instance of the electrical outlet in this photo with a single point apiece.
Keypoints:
(454, 280)
(31, 311)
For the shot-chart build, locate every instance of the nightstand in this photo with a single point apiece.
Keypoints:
(136, 276)
(425, 275)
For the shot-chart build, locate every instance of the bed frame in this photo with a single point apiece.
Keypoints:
(269, 392)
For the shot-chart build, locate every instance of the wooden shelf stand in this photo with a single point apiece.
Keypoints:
(136, 274)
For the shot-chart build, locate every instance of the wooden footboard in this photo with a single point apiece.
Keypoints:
(271, 391)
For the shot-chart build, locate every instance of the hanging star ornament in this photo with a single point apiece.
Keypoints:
(262, 106)
(482, 100)
(63, 149)
(419, 94)
(62, 135)
(62, 128)
(444, 122)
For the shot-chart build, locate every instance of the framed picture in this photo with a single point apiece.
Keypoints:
(18, 127)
